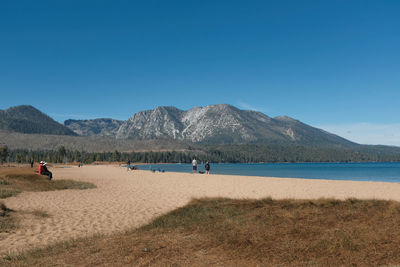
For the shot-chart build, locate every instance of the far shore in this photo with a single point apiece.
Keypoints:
(128, 199)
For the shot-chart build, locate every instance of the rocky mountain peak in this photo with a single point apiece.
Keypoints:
(221, 123)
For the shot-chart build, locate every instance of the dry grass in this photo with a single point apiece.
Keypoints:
(4, 182)
(16, 180)
(224, 232)
(40, 214)
(8, 192)
(7, 222)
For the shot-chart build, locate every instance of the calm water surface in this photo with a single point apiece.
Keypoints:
(383, 172)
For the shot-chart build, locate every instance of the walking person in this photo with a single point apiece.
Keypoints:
(207, 167)
(31, 162)
(194, 164)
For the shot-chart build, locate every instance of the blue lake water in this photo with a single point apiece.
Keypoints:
(382, 172)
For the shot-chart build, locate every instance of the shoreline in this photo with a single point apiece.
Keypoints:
(366, 172)
(269, 177)
(125, 200)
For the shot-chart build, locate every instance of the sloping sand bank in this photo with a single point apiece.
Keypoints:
(126, 199)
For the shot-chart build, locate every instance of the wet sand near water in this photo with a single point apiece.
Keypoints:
(127, 199)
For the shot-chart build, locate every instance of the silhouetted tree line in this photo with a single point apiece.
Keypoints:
(222, 154)
(3, 154)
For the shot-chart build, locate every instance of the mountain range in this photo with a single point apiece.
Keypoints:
(220, 131)
(218, 124)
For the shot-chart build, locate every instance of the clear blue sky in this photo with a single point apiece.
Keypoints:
(326, 63)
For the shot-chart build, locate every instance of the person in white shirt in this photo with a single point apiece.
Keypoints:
(194, 163)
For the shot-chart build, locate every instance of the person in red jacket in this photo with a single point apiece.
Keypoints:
(40, 167)
(44, 171)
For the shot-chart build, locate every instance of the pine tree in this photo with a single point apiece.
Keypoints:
(3, 154)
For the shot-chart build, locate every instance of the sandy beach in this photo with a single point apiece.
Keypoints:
(127, 199)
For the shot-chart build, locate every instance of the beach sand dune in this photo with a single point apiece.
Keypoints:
(127, 199)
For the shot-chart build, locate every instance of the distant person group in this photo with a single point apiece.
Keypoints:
(42, 169)
(206, 167)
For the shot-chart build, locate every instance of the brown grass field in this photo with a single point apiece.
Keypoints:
(226, 232)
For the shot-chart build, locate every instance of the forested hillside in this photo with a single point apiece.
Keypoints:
(84, 143)
(222, 154)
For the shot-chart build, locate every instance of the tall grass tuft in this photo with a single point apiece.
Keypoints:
(40, 214)
(7, 222)
(4, 182)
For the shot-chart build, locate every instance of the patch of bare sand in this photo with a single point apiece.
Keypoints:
(127, 199)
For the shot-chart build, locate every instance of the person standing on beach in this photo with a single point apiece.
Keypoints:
(194, 164)
(207, 167)
(128, 165)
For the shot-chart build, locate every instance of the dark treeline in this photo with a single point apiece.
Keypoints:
(66, 156)
(217, 154)
(282, 153)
